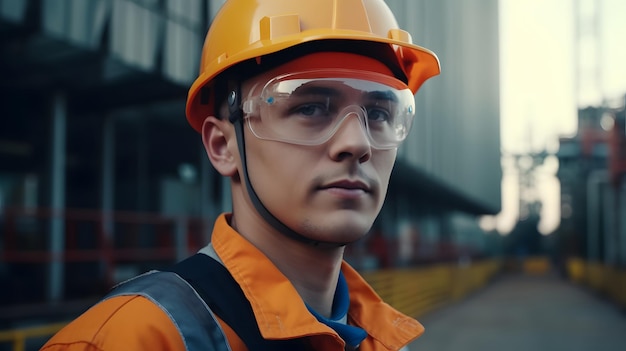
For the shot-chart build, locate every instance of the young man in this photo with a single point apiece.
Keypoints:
(302, 104)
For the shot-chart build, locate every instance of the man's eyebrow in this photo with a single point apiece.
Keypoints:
(381, 95)
(316, 90)
(385, 95)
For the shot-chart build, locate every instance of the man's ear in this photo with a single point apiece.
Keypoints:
(216, 137)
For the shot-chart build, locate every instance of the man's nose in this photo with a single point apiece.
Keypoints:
(351, 139)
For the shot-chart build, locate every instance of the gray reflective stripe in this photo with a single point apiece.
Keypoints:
(195, 322)
(209, 250)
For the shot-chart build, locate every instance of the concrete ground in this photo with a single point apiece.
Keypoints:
(526, 313)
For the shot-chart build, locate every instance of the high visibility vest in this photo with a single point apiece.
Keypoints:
(193, 293)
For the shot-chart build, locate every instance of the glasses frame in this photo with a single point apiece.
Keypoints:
(253, 105)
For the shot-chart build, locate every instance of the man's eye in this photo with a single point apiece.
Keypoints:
(378, 115)
(311, 110)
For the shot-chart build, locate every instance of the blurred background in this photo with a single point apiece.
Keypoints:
(515, 167)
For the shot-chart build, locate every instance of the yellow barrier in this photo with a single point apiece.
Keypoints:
(605, 280)
(416, 291)
(537, 265)
(18, 336)
(596, 276)
(468, 279)
(576, 270)
(616, 288)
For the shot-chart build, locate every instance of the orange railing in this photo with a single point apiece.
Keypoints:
(99, 249)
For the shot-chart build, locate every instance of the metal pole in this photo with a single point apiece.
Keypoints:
(57, 197)
(108, 193)
(593, 215)
(108, 174)
(621, 218)
(208, 210)
(227, 200)
(181, 238)
(608, 213)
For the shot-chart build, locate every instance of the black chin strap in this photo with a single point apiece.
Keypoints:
(236, 118)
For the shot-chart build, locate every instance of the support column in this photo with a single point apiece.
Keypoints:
(621, 218)
(180, 237)
(608, 218)
(594, 181)
(108, 192)
(227, 200)
(108, 174)
(142, 165)
(208, 197)
(57, 198)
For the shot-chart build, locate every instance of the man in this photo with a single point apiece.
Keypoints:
(302, 104)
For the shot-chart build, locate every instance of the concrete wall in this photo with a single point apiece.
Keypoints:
(456, 135)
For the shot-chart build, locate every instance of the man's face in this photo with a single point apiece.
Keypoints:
(328, 192)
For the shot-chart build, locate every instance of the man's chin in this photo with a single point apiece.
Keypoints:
(341, 232)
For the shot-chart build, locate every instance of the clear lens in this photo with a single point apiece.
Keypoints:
(307, 108)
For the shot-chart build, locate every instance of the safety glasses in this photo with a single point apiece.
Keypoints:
(307, 108)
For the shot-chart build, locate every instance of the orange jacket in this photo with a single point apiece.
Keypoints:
(135, 323)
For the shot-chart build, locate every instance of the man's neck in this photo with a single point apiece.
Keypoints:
(313, 271)
(313, 275)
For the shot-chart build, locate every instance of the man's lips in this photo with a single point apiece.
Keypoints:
(347, 184)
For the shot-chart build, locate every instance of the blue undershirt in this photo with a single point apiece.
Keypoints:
(353, 336)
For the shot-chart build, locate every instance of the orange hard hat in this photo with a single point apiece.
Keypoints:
(245, 30)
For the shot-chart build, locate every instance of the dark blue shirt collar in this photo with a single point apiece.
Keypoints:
(353, 336)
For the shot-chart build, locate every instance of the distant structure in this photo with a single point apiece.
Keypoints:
(592, 164)
(588, 52)
(592, 174)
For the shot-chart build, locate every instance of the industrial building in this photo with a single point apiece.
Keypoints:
(101, 177)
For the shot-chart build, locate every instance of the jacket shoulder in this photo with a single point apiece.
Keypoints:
(126, 322)
(154, 311)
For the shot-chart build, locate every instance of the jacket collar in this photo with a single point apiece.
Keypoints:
(280, 311)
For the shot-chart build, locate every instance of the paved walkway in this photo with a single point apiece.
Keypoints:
(526, 313)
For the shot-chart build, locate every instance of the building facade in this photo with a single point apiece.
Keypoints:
(97, 160)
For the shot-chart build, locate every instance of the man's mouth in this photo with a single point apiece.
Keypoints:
(347, 184)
